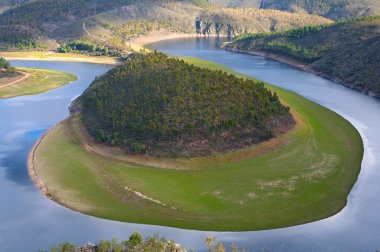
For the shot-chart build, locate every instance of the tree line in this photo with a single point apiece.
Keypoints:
(136, 243)
(90, 48)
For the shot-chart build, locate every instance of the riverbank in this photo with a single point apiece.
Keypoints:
(153, 37)
(139, 43)
(304, 180)
(55, 56)
(136, 44)
(35, 81)
(300, 65)
(38, 182)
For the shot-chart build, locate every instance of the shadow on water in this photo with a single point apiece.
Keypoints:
(14, 164)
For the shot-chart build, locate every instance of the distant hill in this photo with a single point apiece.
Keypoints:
(115, 22)
(346, 51)
(333, 9)
(163, 106)
(237, 3)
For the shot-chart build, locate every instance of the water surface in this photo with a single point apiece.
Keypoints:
(29, 222)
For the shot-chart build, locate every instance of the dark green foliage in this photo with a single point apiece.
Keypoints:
(152, 100)
(6, 67)
(347, 51)
(291, 50)
(134, 241)
(300, 32)
(4, 63)
(87, 47)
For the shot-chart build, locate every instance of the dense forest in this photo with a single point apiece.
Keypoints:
(159, 105)
(38, 24)
(347, 51)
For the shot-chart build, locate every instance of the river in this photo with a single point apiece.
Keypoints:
(29, 222)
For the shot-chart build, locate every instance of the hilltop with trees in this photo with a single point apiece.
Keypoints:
(163, 106)
(347, 52)
(43, 24)
(333, 9)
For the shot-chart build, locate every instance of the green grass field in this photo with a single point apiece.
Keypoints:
(37, 81)
(302, 176)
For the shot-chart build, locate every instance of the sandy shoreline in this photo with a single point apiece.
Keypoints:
(161, 36)
(137, 44)
(94, 60)
(38, 182)
(156, 37)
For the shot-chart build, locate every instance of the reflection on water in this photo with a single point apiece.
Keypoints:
(28, 217)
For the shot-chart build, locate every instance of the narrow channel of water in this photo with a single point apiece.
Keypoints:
(29, 222)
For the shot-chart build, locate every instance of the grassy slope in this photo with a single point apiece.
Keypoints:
(346, 51)
(179, 18)
(306, 176)
(39, 81)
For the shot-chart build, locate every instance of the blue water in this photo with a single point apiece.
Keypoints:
(29, 222)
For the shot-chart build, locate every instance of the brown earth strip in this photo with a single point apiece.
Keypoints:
(24, 77)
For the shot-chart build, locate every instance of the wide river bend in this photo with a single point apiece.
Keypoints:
(29, 222)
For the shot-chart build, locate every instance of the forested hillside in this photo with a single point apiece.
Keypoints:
(333, 9)
(347, 51)
(162, 106)
(113, 23)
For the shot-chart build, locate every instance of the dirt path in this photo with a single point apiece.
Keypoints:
(89, 34)
(26, 75)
